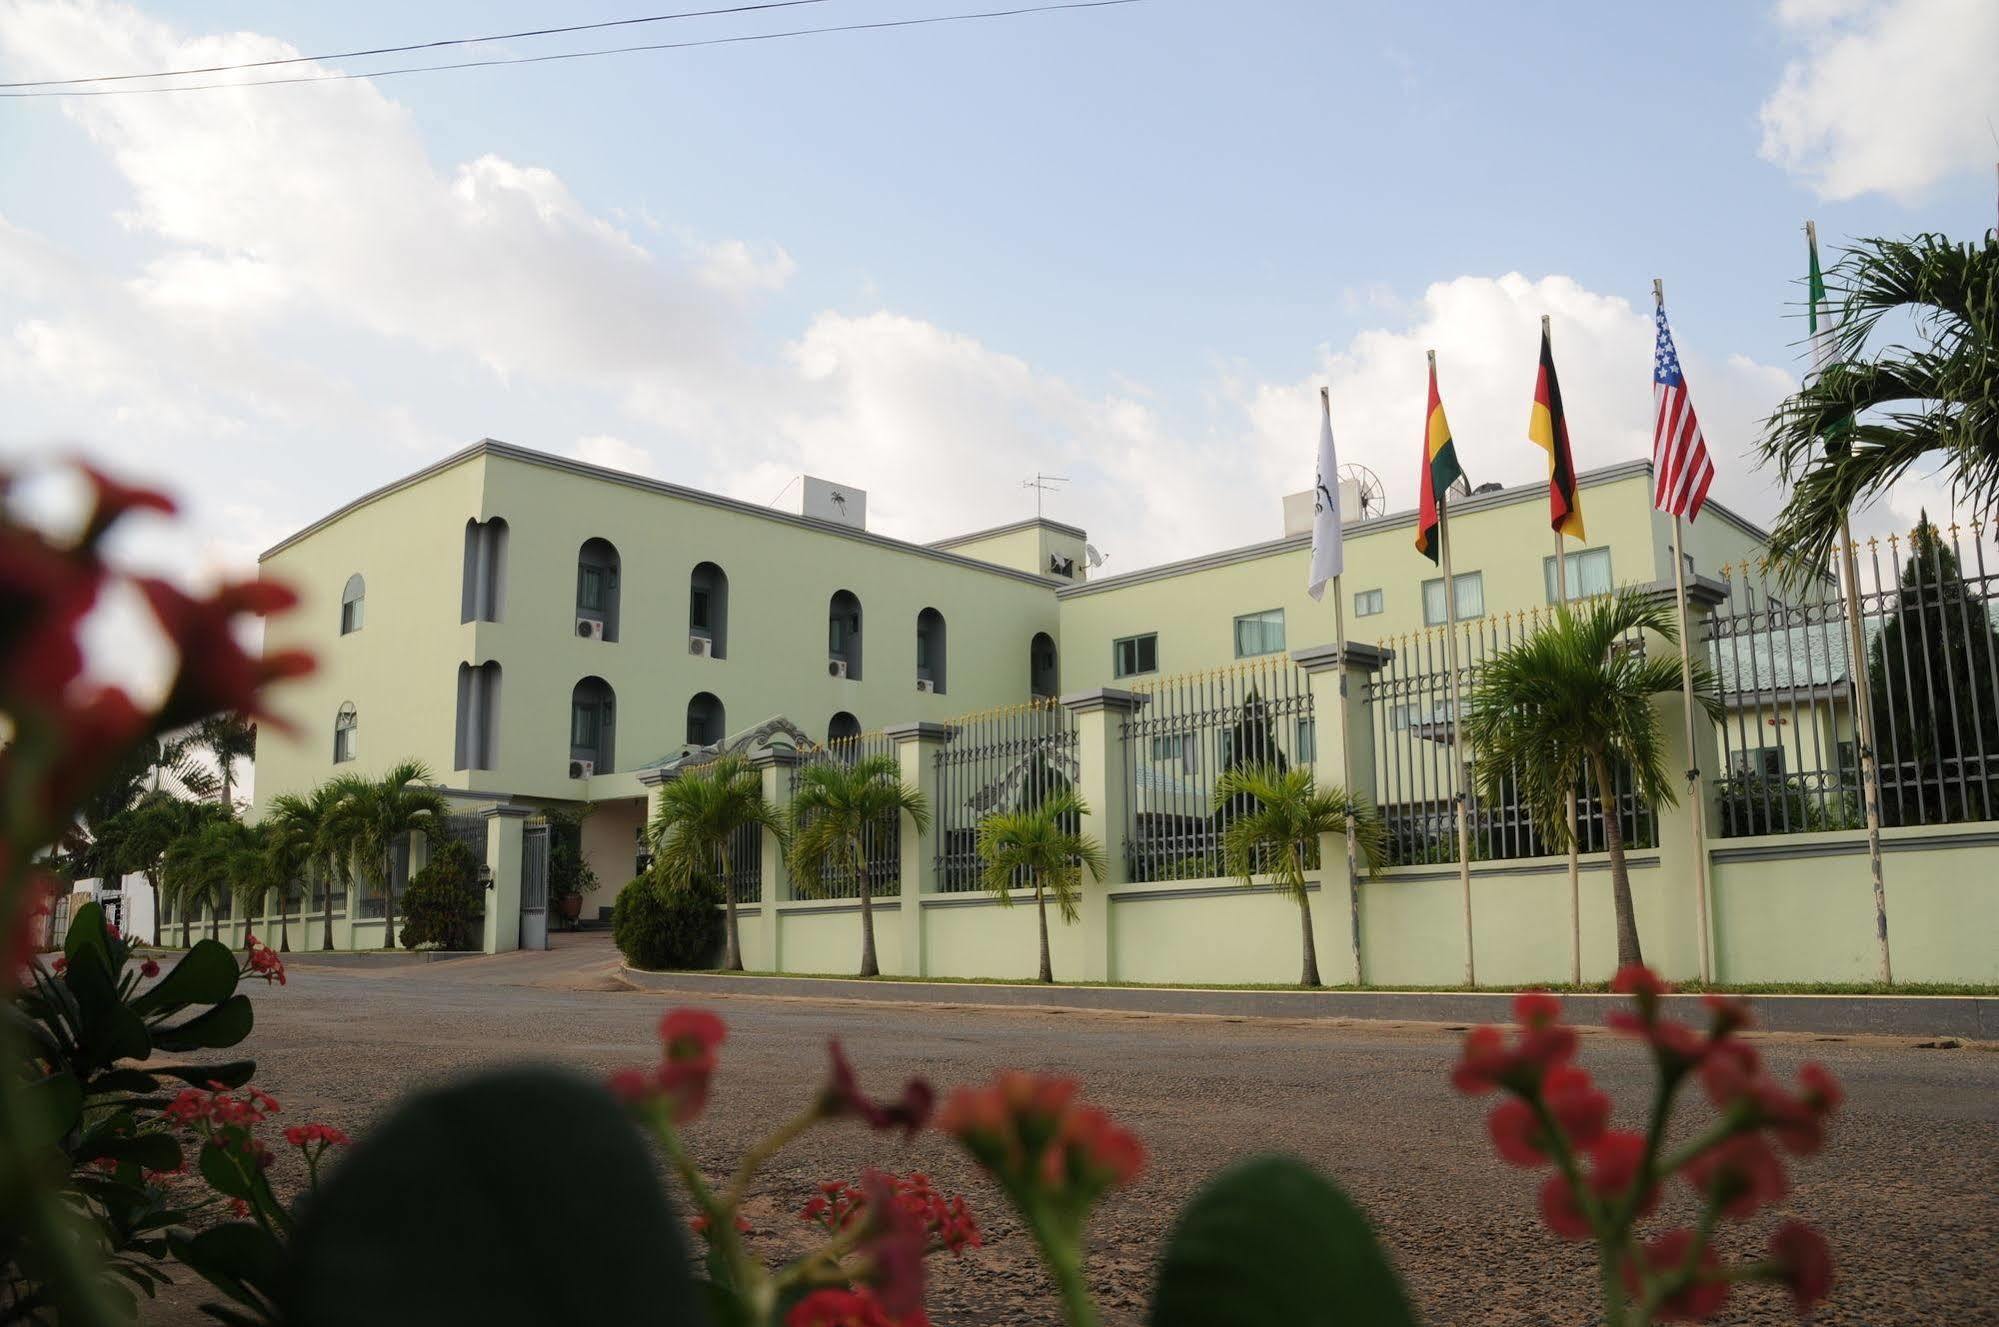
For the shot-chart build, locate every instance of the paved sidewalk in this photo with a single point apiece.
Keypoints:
(1971, 1018)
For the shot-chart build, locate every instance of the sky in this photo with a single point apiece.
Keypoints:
(1124, 244)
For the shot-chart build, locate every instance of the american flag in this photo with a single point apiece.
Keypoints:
(1681, 471)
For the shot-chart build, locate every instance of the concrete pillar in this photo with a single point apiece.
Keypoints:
(1673, 938)
(1344, 737)
(1103, 781)
(774, 766)
(916, 747)
(503, 859)
(653, 781)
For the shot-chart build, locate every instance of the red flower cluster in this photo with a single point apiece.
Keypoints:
(218, 1108)
(149, 969)
(1031, 1133)
(263, 961)
(1699, 1294)
(700, 1224)
(849, 1308)
(688, 1042)
(1541, 1043)
(304, 1135)
(946, 1221)
(842, 1095)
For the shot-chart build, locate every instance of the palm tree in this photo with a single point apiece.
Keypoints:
(1041, 845)
(332, 859)
(228, 737)
(698, 817)
(255, 880)
(1885, 410)
(1277, 817)
(1569, 705)
(146, 831)
(199, 870)
(834, 810)
(292, 825)
(371, 817)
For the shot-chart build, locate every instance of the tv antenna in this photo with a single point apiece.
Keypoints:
(1042, 484)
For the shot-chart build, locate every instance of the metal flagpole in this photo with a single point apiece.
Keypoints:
(1863, 695)
(1457, 717)
(1346, 740)
(1696, 801)
(1575, 849)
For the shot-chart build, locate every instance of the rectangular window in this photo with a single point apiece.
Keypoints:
(1133, 655)
(1367, 603)
(350, 616)
(1172, 747)
(1308, 740)
(1588, 572)
(583, 726)
(590, 588)
(697, 614)
(343, 745)
(1259, 633)
(1760, 762)
(1470, 594)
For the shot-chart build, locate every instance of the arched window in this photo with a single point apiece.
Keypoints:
(352, 601)
(485, 589)
(592, 727)
(843, 635)
(930, 651)
(1043, 678)
(842, 725)
(597, 590)
(707, 722)
(346, 732)
(708, 611)
(478, 745)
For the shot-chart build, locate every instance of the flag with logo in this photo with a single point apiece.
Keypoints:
(1548, 428)
(1440, 470)
(1328, 557)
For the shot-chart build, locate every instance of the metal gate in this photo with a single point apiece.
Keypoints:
(534, 887)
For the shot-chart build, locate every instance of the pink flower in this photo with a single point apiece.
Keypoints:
(149, 969)
(1741, 1174)
(300, 1135)
(848, 1308)
(1700, 1296)
(1028, 1129)
(1614, 1165)
(688, 1040)
(1803, 1263)
(842, 1095)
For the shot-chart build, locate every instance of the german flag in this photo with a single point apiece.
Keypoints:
(1548, 429)
(1440, 470)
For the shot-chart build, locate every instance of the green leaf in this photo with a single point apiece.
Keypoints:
(240, 1259)
(224, 1025)
(1273, 1241)
(150, 1151)
(470, 1175)
(224, 1173)
(232, 1073)
(87, 936)
(108, 1030)
(123, 1080)
(206, 974)
(52, 1107)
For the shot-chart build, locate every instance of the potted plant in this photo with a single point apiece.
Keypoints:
(569, 878)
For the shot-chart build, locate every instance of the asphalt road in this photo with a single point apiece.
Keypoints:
(1907, 1190)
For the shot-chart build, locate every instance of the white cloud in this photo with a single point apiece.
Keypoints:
(1891, 96)
(613, 453)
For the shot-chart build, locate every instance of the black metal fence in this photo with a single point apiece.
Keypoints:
(1416, 762)
(881, 842)
(996, 760)
(1191, 729)
(1789, 744)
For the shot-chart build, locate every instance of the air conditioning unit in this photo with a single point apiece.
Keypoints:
(582, 769)
(836, 668)
(701, 647)
(589, 628)
(926, 686)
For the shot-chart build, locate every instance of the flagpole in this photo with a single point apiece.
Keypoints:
(1575, 850)
(1863, 694)
(1346, 743)
(1697, 804)
(1457, 716)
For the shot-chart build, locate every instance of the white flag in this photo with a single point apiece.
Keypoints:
(1328, 558)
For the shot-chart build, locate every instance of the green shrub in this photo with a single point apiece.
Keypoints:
(440, 902)
(657, 925)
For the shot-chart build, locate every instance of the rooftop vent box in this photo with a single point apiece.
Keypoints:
(1298, 508)
(842, 504)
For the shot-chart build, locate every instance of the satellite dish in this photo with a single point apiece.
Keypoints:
(1092, 556)
(1371, 498)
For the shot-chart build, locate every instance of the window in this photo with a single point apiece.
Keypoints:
(597, 589)
(1307, 748)
(708, 609)
(485, 580)
(930, 640)
(352, 600)
(707, 723)
(478, 741)
(346, 728)
(1135, 654)
(1042, 677)
(593, 724)
(1174, 746)
(1758, 762)
(843, 635)
(1367, 603)
(842, 726)
(1588, 572)
(1470, 588)
(1259, 633)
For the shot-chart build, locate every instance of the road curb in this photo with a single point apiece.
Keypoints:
(1969, 1017)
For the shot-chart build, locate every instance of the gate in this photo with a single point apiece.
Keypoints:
(534, 887)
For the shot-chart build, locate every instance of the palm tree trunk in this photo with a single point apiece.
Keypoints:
(159, 927)
(869, 968)
(732, 958)
(186, 936)
(326, 916)
(1620, 879)
(1041, 907)
(284, 926)
(1310, 975)
(214, 919)
(389, 899)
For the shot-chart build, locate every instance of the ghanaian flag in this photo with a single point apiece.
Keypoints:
(1548, 428)
(1440, 470)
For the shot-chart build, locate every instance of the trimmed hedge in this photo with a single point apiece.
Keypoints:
(441, 900)
(660, 926)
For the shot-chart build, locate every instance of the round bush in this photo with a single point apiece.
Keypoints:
(657, 925)
(441, 900)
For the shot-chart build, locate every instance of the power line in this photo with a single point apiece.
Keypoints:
(418, 46)
(582, 55)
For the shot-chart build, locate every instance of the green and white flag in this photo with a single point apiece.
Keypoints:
(1819, 320)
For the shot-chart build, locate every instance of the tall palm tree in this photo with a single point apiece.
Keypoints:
(228, 737)
(292, 825)
(699, 815)
(255, 880)
(834, 810)
(1572, 703)
(199, 870)
(1041, 845)
(372, 817)
(1885, 408)
(332, 859)
(1277, 818)
(146, 832)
